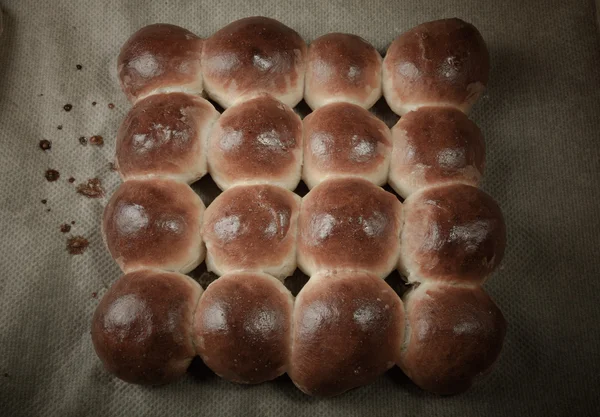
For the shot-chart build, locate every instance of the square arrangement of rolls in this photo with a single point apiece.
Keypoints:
(346, 326)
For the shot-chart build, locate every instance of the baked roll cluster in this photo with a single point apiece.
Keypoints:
(347, 325)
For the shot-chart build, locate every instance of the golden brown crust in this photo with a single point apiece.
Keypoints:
(252, 228)
(342, 67)
(142, 328)
(349, 223)
(348, 329)
(453, 233)
(154, 223)
(165, 135)
(242, 327)
(259, 140)
(439, 62)
(455, 335)
(343, 139)
(251, 56)
(433, 146)
(160, 56)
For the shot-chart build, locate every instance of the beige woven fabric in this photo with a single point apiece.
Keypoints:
(541, 120)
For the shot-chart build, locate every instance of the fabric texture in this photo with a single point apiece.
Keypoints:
(541, 120)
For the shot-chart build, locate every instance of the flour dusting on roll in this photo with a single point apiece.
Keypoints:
(251, 56)
(342, 67)
(256, 141)
(165, 135)
(439, 63)
(160, 58)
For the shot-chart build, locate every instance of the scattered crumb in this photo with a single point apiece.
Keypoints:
(97, 140)
(68, 107)
(111, 106)
(45, 144)
(78, 66)
(76, 245)
(52, 175)
(93, 103)
(59, 127)
(71, 180)
(65, 228)
(112, 166)
(94, 295)
(83, 140)
(73, 222)
(44, 201)
(6, 375)
(91, 189)
(48, 210)
(41, 95)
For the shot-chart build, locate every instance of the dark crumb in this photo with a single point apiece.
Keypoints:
(6, 375)
(73, 222)
(97, 140)
(76, 245)
(59, 127)
(111, 106)
(65, 228)
(94, 295)
(48, 210)
(91, 189)
(112, 166)
(68, 107)
(93, 103)
(78, 66)
(44, 201)
(40, 95)
(71, 180)
(45, 144)
(52, 175)
(83, 140)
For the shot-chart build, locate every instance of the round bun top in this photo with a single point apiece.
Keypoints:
(444, 62)
(453, 233)
(342, 67)
(257, 141)
(456, 334)
(160, 58)
(349, 224)
(251, 56)
(155, 224)
(252, 228)
(343, 139)
(142, 328)
(435, 145)
(165, 135)
(348, 330)
(243, 327)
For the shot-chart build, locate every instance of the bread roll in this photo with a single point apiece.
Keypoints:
(345, 140)
(439, 63)
(435, 146)
(243, 327)
(155, 224)
(251, 56)
(342, 67)
(348, 330)
(160, 58)
(455, 335)
(256, 141)
(349, 224)
(165, 135)
(142, 328)
(252, 228)
(453, 233)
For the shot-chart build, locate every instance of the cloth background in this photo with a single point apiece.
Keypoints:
(541, 120)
